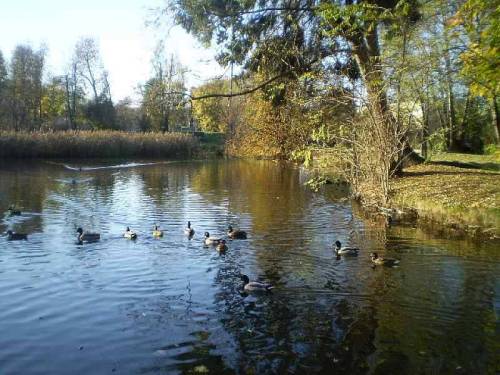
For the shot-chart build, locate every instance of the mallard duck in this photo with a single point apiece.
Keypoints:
(11, 236)
(378, 261)
(87, 236)
(130, 234)
(211, 240)
(157, 232)
(188, 230)
(236, 234)
(255, 286)
(13, 212)
(348, 251)
(222, 247)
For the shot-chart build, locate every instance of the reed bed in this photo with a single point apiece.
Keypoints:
(96, 144)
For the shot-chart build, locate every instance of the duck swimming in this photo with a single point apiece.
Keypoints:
(255, 286)
(13, 212)
(378, 261)
(188, 230)
(236, 234)
(222, 247)
(157, 232)
(11, 236)
(87, 236)
(130, 234)
(347, 251)
(211, 240)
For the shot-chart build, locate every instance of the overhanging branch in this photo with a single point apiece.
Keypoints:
(241, 93)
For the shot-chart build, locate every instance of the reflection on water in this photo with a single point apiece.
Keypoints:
(172, 305)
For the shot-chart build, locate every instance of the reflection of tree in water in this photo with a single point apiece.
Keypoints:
(269, 193)
(163, 180)
(194, 357)
(438, 315)
(284, 331)
(26, 185)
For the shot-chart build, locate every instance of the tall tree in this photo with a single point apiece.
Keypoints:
(481, 61)
(163, 99)
(287, 38)
(25, 87)
(94, 78)
(3, 86)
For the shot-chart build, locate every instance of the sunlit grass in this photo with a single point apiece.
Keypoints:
(452, 195)
(95, 144)
(491, 161)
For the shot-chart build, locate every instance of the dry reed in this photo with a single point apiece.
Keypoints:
(95, 144)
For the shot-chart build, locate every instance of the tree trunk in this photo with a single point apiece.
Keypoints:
(425, 129)
(367, 54)
(496, 120)
(449, 88)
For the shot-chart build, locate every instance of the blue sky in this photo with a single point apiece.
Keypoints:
(119, 26)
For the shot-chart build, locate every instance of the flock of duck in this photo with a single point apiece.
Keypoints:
(218, 243)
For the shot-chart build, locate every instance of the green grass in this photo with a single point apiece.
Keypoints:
(96, 144)
(458, 190)
(475, 161)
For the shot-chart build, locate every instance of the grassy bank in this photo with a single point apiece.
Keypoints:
(96, 144)
(454, 192)
(457, 194)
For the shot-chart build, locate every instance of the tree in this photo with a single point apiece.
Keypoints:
(212, 114)
(163, 101)
(481, 61)
(25, 87)
(3, 86)
(3, 72)
(128, 117)
(89, 71)
(53, 101)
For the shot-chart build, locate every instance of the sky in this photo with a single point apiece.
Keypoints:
(120, 28)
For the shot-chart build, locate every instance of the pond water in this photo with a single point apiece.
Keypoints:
(171, 305)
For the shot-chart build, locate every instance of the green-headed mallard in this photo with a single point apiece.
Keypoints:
(157, 232)
(255, 286)
(347, 251)
(222, 247)
(130, 234)
(11, 236)
(236, 233)
(13, 212)
(211, 240)
(379, 261)
(87, 236)
(188, 231)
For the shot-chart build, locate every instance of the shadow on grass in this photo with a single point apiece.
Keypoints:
(471, 165)
(445, 173)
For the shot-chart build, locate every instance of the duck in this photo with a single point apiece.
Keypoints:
(255, 286)
(188, 230)
(157, 232)
(222, 247)
(14, 212)
(347, 251)
(87, 236)
(11, 236)
(130, 234)
(211, 240)
(236, 234)
(379, 261)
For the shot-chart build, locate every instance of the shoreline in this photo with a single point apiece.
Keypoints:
(454, 195)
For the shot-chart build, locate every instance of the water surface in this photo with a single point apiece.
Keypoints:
(172, 305)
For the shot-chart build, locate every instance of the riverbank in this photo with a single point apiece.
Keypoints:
(97, 144)
(458, 194)
(454, 194)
